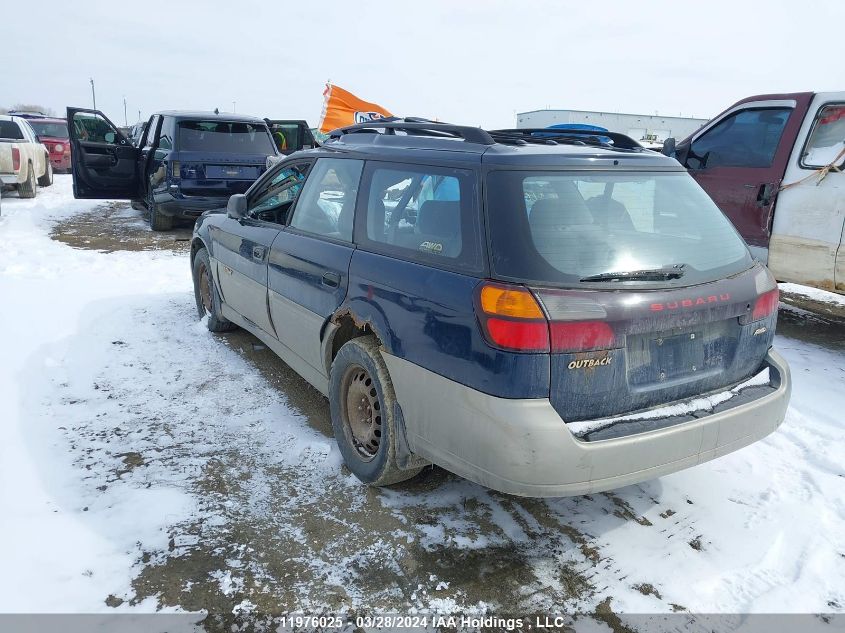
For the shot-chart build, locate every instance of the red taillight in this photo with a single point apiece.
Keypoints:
(511, 318)
(16, 159)
(765, 305)
(581, 336)
(524, 336)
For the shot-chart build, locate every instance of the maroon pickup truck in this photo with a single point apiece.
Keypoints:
(773, 164)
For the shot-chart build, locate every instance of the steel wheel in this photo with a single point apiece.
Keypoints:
(205, 288)
(361, 412)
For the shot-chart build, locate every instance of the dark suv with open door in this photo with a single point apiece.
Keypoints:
(184, 164)
(543, 312)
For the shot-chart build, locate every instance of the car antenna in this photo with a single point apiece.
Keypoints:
(216, 111)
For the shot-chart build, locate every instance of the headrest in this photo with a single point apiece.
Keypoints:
(560, 213)
(439, 218)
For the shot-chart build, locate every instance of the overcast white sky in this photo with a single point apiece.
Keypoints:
(467, 62)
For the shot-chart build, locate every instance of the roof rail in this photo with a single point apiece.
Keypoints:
(544, 135)
(414, 126)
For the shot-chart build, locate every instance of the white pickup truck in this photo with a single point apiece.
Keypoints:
(24, 162)
(775, 165)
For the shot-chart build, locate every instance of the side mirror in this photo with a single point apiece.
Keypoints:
(669, 147)
(109, 136)
(236, 207)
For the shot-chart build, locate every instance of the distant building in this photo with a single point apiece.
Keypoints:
(640, 127)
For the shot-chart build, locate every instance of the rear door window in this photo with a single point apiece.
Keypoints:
(422, 213)
(748, 138)
(826, 143)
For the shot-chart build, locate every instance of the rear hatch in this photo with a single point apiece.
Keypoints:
(218, 174)
(650, 294)
(220, 158)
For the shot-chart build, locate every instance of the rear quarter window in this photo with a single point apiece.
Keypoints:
(422, 213)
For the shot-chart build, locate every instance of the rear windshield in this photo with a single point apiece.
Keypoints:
(561, 227)
(225, 137)
(10, 129)
(50, 129)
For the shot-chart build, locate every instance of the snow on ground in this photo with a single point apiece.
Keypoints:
(816, 294)
(146, 463)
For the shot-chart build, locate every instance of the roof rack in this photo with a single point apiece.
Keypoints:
(547, 136)
(415, 126)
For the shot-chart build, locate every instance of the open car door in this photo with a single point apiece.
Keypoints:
(291, 135)
(104, 162)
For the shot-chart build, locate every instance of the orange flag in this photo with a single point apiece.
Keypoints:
(342, 108)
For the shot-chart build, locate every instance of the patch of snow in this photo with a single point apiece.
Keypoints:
(816, 294)
(703, 403)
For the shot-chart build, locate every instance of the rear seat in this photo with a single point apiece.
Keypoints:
(438, 229)
(565, 235)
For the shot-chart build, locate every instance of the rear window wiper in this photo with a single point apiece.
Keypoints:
(652, 274)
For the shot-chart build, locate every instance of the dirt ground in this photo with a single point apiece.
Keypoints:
(287, 541)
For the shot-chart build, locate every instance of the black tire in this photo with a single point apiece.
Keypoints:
(359, 376)
(205, 293)
(47, 179)
(158, 222)
(27, 189)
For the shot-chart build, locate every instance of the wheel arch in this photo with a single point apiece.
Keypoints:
(343, 326)
(196, 244)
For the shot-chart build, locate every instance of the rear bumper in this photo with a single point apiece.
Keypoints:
(523, 447)
(188, 207)
(8, 179)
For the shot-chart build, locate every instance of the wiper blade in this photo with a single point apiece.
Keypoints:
(651, 274)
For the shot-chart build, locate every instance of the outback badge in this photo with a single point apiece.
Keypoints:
(588, 363)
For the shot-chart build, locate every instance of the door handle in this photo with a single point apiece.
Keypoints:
(330, 279)
(766, 194)
(258, 253)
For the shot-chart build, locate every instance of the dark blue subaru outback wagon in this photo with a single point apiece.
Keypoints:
(544, 313)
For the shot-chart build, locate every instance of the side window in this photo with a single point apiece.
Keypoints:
(326, 205)
(826, 143)
(165, 137)
(272, 201)
(748, 138)
(149, 140)
(93, 128)
(425, 213)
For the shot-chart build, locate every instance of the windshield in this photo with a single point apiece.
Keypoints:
(50, 129)
(566, 227)
(224, 136)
